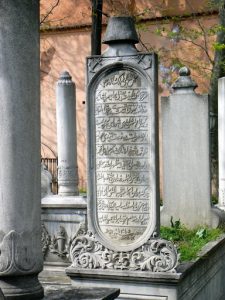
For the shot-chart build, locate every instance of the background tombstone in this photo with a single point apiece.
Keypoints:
(66, 136)
(63, 213)
(46, 181)
(20, 183)
(186, 157)
(123, 190)
(221, 141)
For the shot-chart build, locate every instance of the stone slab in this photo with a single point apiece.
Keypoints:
(71, 293)
(54, 275)
(56, 201)
(200, 279)
(123, 204)
(61, 218)
(186, 163)
(221, 141)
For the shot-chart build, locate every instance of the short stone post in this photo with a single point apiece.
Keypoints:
(221, 141)
(20, 186)
(186, 157)
(66, 136)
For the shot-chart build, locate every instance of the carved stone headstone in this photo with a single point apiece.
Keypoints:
(66, 136)
(186, 163)
(63, 213)
(122, 161)
(221, 141)
(46, 181)
(123, 194)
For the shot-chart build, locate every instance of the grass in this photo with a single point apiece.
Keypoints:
(189, 241)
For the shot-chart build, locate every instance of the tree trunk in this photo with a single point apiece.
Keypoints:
(96, 27)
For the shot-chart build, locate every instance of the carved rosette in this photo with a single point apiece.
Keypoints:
(17, 254)
(157, 255)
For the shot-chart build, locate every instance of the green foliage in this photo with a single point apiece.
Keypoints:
(82, 191)
(189, 241)
(219, 46)
(214, 199)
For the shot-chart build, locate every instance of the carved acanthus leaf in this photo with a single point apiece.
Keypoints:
(45, 240)
(157, 255)
(17, 253)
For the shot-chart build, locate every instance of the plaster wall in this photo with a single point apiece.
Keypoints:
(67, 50)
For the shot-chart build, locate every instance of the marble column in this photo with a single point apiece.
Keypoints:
(66, 136)
(20, 189)
(221, 141)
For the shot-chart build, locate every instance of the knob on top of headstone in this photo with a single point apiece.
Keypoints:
(184, 71)
(65, 78)
(184, 80)
(120, 29)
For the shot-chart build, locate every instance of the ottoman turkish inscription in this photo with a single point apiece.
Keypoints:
(122, 150)
(122, 155)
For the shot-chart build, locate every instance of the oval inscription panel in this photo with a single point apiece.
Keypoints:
(124, 167)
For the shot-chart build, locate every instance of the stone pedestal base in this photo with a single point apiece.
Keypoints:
(221, 207)
(199, 279)
(61, 217)
(71, 293)
(21, 288)
(216, 217)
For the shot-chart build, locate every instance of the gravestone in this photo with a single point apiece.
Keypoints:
(186, 157)
(66, 136)
(123, 190)
(221, 141)
(63, 213)
(46, 181)
(123, 165)
(122, 161)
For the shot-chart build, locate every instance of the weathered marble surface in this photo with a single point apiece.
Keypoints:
(221, 141)
(123, 182)
(20, 179)
(71, 293)
(61, 217)
(66, 136)
(122, 143)
(200, 279)
(46, 181)
(186, 157)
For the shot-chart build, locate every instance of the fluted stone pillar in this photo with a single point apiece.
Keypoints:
(20, 189)
(221, 141)
(66, 136)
